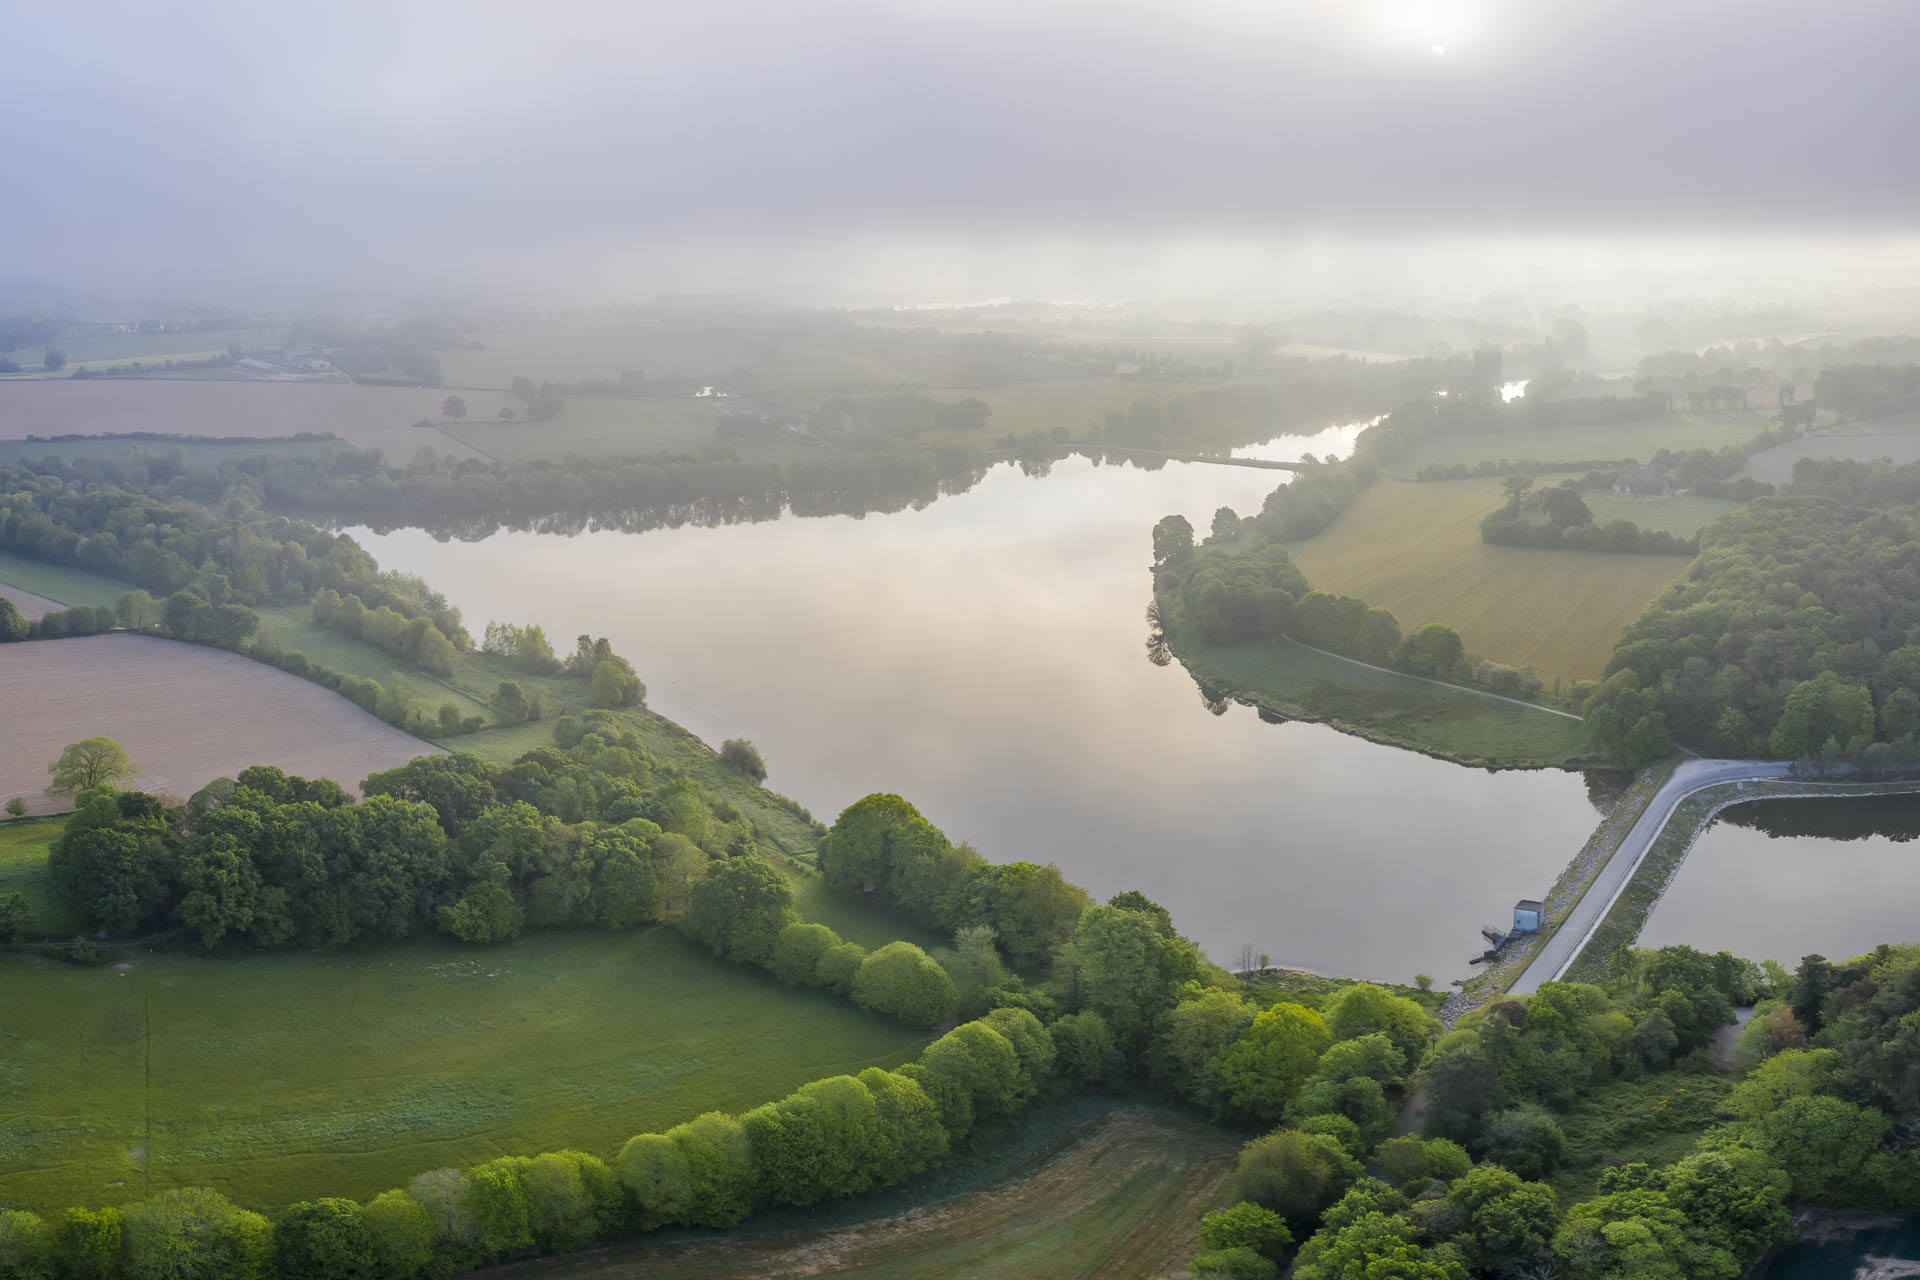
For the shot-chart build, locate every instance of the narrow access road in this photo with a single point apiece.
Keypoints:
(1611, 881)
(1444, 684)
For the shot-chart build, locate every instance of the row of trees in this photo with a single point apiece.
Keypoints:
(1559, 518)
(416, 640)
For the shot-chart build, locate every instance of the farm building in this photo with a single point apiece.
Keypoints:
(1649, 481)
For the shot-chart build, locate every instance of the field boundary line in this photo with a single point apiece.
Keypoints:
(1444, 684)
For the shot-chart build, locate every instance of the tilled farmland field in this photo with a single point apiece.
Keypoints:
(185, 713)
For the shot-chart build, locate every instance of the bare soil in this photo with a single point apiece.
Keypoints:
(26, 602)
(185, 713)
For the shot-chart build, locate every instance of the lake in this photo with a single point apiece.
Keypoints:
(1879, 1251)
(985, 657)
(1781, 879)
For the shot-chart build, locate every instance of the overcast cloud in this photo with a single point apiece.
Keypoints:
(613, 146)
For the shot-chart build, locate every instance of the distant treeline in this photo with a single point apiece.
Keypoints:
(1560, 519)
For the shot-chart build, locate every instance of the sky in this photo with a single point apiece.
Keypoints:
(934, 146)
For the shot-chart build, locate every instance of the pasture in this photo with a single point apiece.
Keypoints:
(596, 426)
(366, 417)
(23, 866)
(1682, 517)
(1639, 440)
(185, 713)
(57, 584)
(1415, 549)
(1386, 706)
(1117, 1196)
(1775, 465)
(287, 1075)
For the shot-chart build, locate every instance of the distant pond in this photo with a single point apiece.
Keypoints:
(986, 657)
(1879, 1252)
(1779, 879)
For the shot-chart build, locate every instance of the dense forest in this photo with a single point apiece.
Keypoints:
(1796, 632)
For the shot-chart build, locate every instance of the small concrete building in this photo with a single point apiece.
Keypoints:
(1528, 916)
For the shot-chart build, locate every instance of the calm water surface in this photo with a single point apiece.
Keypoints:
(1784, 878)
(1877, 1253)
(985, 657)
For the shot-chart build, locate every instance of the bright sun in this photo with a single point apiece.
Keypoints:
(1437, 26)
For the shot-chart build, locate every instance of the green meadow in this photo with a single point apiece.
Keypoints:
(279, 1076)
(1640, 440)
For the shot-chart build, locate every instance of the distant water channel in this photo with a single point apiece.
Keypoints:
(986, 657)
(1781, 879)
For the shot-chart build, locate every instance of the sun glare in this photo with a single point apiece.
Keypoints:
(1437, 26)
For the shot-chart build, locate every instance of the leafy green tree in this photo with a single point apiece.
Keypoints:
(497, 1198)
(739, 907)
(26, 1246)
(1084, 1048)
(656, 1173)
(90, 763)
(453, 407)
(1507, 1219)
(87, 1242)
(1820, 1143)
(1247, 1226)
(1239, 1263)
(1262, 1070)
(1525, 1139)
(911, 1137)
(326, 1239)
(486, 912)
(1128, 971)
(1172, 540)
(13, 624)
(1189, 1041)
(972, 1073)
(744, 759)
(573, 1199)
(1435, 649)
(797, 951)
(904, 982)
(54, 360)
(1294, 1174)
(401, 1234)
(1812, 981)
(194, 1232)
(137, 611)
(1818, 709)
(1374, 1245)
(721, 1164)
(613, 685)
(1365, 1009)
(1414, 1162)
(446, 1196)
(839, 966)
(1734, 1198)
(1032, 1044)
(16, 916)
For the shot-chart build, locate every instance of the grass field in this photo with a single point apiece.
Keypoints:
(1639, 440)
(1415, 549)
(283, 1076)
(1682, 517)
(57, 583)
(368, 417)
(592, 426)
(187, 714)
(1656, 1119)
(1385, 707)
(23, 866)
(1113, 1197)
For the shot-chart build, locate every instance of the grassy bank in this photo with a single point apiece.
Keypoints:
(282, 1076)
(1400, 711)
(23, 867)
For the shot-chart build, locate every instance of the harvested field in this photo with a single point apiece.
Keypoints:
(279, 1076)
(591, 426)
(1118, 1196)
(26, 602)
(1775, 465)
(369, 417)
(185, 713)
(1415, 549)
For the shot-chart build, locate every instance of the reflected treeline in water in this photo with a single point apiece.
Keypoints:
(1878, 1252)
(1840, 818)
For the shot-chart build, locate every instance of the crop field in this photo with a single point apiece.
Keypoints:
(30, 605)
(594, 426)
(1682, 517)
(122, 348)
(1775, 465)
(1639, 440)
(1114, 1197)
(23, 866)
(185, 713)
(286, 1075)
(1415, 549)
(1389, 707)
(368, 417)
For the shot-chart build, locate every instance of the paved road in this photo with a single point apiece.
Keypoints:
(1691, 776)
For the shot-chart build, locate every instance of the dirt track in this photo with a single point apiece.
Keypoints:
(185, 713)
